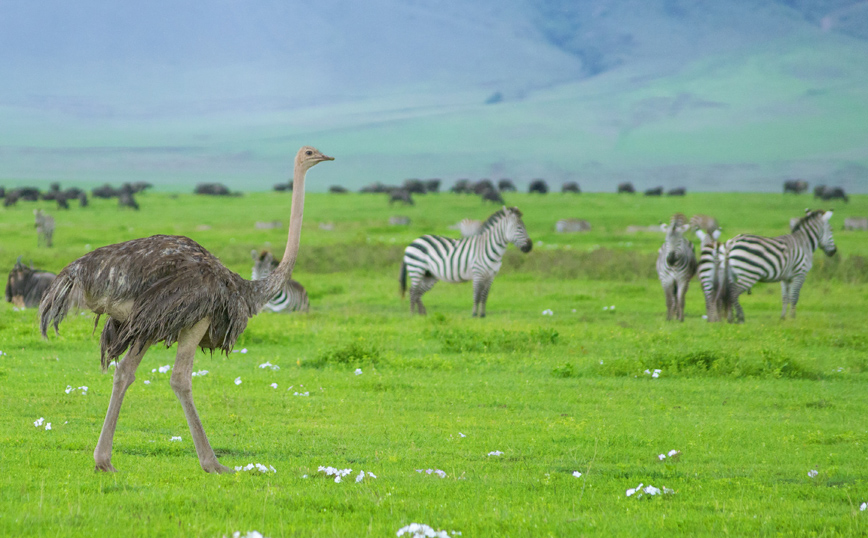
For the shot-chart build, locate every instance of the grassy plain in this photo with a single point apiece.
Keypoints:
(752, 408)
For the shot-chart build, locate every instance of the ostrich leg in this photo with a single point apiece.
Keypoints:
(125, 374)
(182, 384)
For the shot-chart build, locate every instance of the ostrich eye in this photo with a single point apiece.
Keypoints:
(308, 152)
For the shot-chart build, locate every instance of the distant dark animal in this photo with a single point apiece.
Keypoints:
(400, 195)
(415, 186)
(833, 193)
(678, 191)
(538, 186)
(478, 258)
(72, 192)
(795, 186)
(141, 186)
(292, 298)
(786, 259)
(572, 226)
(505, 185)
(377, 188)
(818, 191)
(2, 192)
(282, 187)
(61, 201)
(11, 198)
(571, 186)
(483, 185)
(52, 193)
(676, 265)
(44, 228)
(82, 199)
(168, 289)
(432, 185)
(212, 189)
(26, 285)
(28, 194)
(462, 186)
(126, 199)
(656, 191)
(626, 187)
(106, 191)
(492, 195)
(337, 189)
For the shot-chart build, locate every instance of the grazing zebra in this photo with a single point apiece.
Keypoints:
(705, 223)
(44, 228)
(292, 298)
(787, 258)
(676, 265)
(478, 258)
(468, 227)
(710, 273)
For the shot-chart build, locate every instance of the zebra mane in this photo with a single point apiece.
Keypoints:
(497, 215)
(805, 219)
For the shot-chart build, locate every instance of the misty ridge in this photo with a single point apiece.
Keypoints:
(652, 91)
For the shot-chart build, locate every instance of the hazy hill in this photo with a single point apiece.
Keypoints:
(715, 95)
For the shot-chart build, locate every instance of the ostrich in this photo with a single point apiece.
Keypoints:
(168, 289)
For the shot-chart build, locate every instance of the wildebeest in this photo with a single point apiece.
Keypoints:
(282, 187)
(432, 185)
(856, 223)
(125, 199)
(26, 285)
(28, 194)
(492, 195)
(10, 199)
(795, 186)
(656, 191)
(141, 186)
(678, 191)
(415, 186)
(832, 193)
(505, 185)
(538, 185)
(213, 189)
(572, 225)
(61, 201)
(626, 187)
(400, 195)
(82, 199)
(571, 186)
(337, 189)
(461, 186)
(105, 191)
(483, 185)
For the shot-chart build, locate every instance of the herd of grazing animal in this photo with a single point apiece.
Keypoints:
(168, 289)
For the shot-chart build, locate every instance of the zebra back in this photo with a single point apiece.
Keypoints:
(291, 298)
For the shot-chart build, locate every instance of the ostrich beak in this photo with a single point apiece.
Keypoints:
(326, 158)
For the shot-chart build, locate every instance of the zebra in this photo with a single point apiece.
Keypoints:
(44, 228)
(787, 258)
(705, 223)
(478, 258)
(710, 272)
(468, 227)
(292, 298)
(676, 265)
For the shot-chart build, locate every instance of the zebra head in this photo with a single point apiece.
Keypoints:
(263, 264)
(675, 231)
(514, 229)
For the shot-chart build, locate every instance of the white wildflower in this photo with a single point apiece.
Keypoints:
(147, 382)
(164, 369)
(175, 438)
(419, 530)
(461, 434)
(243, 350)
(495, 453)
(673, 453)
(200, 373)
(605, 308)
(306, 393)
(48, 426)
(238, 380)
(256, 466)
(68, 389)
(267, 364)
(274, 385)
(651, 490)
(577, 474)
(661, 457)
(39, 422)
(863, 507)
(358, 371)
(812, 473)
(250, 534)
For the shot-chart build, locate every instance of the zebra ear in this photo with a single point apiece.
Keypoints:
(254, 255)
(684, 228)
(700, 234)
(664, 227)
(716, 234)
(807, 211)
(827, 215)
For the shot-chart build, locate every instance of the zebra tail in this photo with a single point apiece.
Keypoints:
(722, 298)
(403, 279)
(62, 295)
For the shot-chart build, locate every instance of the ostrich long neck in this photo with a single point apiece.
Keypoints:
(269, 286)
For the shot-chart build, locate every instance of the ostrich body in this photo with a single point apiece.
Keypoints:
(168, 289)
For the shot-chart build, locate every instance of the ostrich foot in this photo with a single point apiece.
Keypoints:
(105, 466)
(216, 468)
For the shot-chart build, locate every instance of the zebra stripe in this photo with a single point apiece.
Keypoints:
(676, 265)
(787, 258)
(709, 270)
(292, 298)
(478, 258)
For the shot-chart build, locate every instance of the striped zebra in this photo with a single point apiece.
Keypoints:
(478, 258)
(786, 258)
(44, 228)
(676, 265)
(705, 223)
(709, 270)
(292, 298)
(467, 227)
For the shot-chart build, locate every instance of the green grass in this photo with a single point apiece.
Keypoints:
(751, 407)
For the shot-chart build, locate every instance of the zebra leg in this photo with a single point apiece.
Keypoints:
(484, 286)
(785, 297)
(736, 314)
(669, 290)
(417, 290)
(795, 289)
(680, 297)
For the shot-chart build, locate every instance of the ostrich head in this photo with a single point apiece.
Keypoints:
(309, 156)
